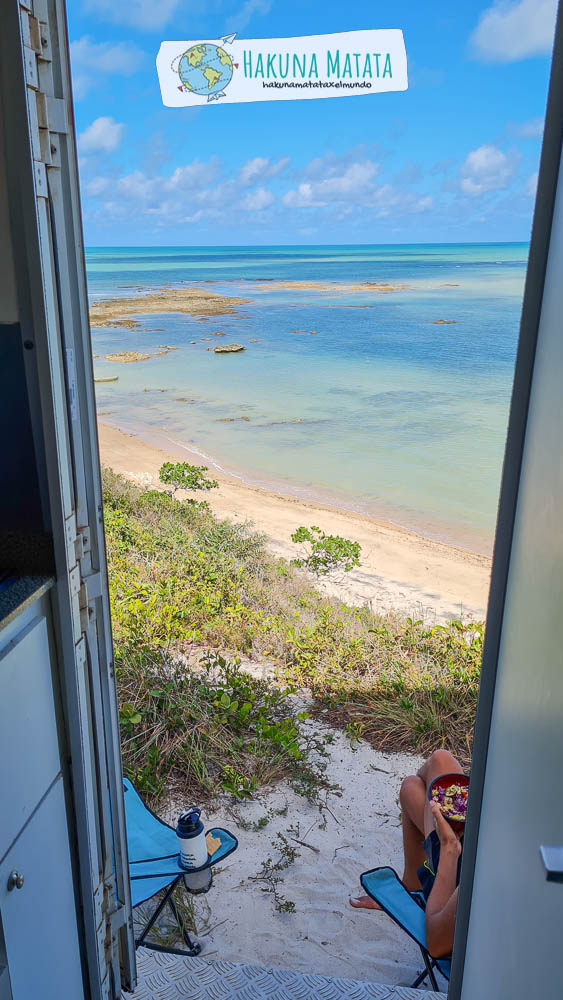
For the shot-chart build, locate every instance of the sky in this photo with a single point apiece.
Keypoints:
(452, 159)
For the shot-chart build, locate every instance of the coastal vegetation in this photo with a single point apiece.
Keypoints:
(325, 554)
(198, 602)
(183, 476)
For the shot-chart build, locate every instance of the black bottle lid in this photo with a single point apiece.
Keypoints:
(189, 824)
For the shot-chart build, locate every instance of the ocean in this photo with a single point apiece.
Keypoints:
(382, 411)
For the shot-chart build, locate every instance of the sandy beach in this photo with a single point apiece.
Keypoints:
(400, 571)
(359, 829)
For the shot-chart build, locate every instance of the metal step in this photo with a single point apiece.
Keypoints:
(172, 977)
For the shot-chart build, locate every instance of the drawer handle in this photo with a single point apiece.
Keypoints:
(15, 881)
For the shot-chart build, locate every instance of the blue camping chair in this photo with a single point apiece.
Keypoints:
(407, 910)
(154, 860)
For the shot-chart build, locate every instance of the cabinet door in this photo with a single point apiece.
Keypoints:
(28, 732)
(39, 919)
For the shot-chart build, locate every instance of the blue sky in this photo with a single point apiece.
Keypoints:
(452, 159)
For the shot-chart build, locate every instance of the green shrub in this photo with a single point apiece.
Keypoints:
(212, 728)
(182, 476)
(325, 553)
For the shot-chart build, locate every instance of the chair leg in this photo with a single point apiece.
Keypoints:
(430, 965)
(419, 980)
(193, 948)
(156, 913)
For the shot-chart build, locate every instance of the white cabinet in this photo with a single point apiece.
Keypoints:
(39, 943)
(28, 732)
(39, 919)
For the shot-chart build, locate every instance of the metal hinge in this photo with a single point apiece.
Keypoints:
(118, 916)
(78, 541)
(115, 919)
(83, 589)
(82, 542)
(90, 589)
(48, 114)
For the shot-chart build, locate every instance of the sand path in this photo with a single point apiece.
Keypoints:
(399, 570)
(360, 829)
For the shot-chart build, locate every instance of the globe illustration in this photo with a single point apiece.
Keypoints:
(205, 69)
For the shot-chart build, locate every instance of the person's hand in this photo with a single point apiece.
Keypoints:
(449, 840)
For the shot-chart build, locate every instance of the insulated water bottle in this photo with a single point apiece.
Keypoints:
(193, 850)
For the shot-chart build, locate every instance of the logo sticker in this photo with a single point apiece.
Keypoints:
(232, 71)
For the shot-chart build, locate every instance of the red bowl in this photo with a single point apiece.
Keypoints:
(444, 781)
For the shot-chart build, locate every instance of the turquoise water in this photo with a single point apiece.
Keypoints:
(381, 411)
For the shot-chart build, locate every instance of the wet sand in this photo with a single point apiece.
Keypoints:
(400, 571)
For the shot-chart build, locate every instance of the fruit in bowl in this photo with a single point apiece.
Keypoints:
(451, 792)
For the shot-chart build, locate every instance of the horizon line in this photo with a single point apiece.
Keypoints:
(238, 246)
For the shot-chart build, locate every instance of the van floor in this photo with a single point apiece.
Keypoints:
(163, 976)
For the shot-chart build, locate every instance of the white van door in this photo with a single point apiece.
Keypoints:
(47, 241)
(510, 916)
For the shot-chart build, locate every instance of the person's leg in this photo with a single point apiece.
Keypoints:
(440, 762)
(412, 798)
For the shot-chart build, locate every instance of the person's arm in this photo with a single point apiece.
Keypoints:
(441, 907)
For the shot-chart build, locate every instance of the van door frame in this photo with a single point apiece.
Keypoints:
(531, 311)
(46, 230)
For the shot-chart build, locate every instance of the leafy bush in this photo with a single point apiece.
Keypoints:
(210, 728)
(326, 553)
(182, 476)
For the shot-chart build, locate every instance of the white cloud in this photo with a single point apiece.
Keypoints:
(387, 200)
(302, 197)
(350, 183)
(515, 29)
(190, 193)
(347, 188)
(532, 129)
(199, 192)
(532, 184)
(223, 196)
(258, 200)
(443, 166)
(410, 174)
(92, 60)
(486, 169)
(424, 204)
(156, 192)
(259, 169)
(195, 174)
(97, 186)
(249, 8)
(146, 15)
(102, 136)
(330, 164)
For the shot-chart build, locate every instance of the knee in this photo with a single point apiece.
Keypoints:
(442, 762)
(409, 786)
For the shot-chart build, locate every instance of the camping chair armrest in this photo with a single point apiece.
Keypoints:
(405, 908)
(385, 887)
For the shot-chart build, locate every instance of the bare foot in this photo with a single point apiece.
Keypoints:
(363, 903)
